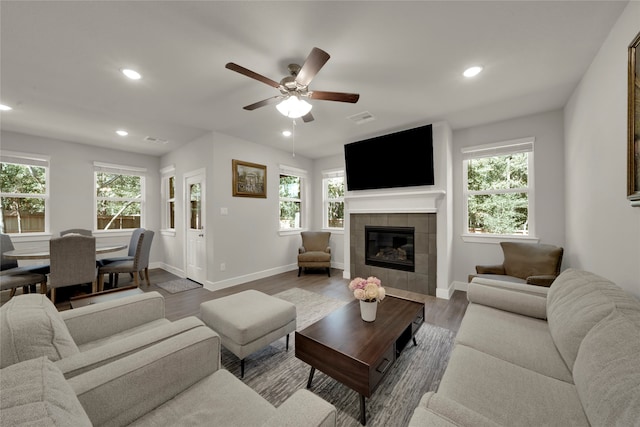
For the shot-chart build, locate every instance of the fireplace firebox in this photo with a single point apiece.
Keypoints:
(390, 247)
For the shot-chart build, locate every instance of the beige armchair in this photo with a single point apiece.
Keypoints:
(530, 263)
(315, 251)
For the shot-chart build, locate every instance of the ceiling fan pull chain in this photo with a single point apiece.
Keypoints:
(293, 138)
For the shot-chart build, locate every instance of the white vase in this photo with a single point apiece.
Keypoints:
(368, 310)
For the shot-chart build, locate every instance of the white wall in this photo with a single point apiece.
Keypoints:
(246, 240)
(549, 212)
(72, 186)
(337, 237)
(602, 229)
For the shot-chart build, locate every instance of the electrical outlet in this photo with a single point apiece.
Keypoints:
(223, 266)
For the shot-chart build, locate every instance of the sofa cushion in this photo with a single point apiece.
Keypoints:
(607, 371)
(34, 392)
(219, 399)
(521, 340)
(508, 394)
(576, 302)
(30, 327)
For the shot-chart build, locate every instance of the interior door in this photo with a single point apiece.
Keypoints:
(196, 248)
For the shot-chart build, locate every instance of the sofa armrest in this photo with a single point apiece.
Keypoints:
(123, 391)
(436, 410)
(97, 321)
(490, 269)
(541, 280)
(92, 359)
(303, 408)
(527, 300)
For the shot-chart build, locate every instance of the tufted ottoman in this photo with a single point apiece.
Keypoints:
(248, 321)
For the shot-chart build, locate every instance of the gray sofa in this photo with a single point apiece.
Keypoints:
(568, 355)
(161, 375)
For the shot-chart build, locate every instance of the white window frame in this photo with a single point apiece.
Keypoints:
(122, 170)
(166, 174)
(30, 159)
(302, 174)
(499, 149)
(326, 176)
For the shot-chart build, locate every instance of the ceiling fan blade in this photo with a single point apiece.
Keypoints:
(262, 103)
(245, 71)
(334, 96)
(316, 60)
(307, 118)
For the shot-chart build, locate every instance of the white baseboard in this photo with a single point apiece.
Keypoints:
(166, 267)
(445, 293)
(461, 286)
(222, 284)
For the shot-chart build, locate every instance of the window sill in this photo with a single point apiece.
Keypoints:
(291, 231)
(113, 233)
(31, 237)
(497, 238)
(171, 232)
(334, 230)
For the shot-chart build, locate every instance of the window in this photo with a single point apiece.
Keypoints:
(119, 197)
(24, 191)
(333, 199)
(169, 198)
(498, 188)
(291, 198)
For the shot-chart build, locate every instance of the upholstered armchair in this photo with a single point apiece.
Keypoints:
(530, 263)
(315, 251)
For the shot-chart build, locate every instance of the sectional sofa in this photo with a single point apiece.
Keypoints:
(568, 355)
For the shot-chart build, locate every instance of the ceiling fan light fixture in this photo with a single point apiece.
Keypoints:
(131, 74)
(294, 107)
(472, 71)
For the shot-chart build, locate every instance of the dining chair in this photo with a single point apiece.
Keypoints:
(138, 265)
(82, 231)
(72, 261)
(9, 267)
(133, 244)
(12, 282)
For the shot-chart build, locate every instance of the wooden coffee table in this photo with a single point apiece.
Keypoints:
(358, 353)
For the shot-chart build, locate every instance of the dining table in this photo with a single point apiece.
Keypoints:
(42, 252)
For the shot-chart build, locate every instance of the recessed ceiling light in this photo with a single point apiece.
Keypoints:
(122, 132)
(286, 132)
(473, 71)
(5, 108)
(132, 74)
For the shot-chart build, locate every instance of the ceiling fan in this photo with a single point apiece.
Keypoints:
(296, 86)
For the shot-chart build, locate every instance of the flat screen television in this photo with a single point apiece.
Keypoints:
(400, 159)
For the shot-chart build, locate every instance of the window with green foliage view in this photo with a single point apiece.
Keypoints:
(119, 200)
(497, 194)
(24, 198)
(333, 190)
(290, 202)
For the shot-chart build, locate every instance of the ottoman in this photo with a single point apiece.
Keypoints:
(248, 321)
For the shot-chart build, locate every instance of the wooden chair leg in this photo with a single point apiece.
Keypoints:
(135, 278)
(12, 293)
(299, 271)
(43, 287)
(146, 274)
(52, 296)
(100, 282)
(94, 286)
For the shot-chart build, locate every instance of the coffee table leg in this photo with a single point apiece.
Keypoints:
(313, 370)
(414, 341)
(363, 415)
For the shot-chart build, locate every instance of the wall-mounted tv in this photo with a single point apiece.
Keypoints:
(400, 159)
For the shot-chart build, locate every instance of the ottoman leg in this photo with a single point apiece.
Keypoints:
(241, 368)
(287, 347)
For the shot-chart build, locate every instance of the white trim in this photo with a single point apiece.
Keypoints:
(20, 158)
(119, 169)
(333, 173)
(222, 284)
(497, 238)
(521, 145)
(290, 170)
(168, 170)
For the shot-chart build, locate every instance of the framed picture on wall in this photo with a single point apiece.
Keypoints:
(249, 179)
(633, 173)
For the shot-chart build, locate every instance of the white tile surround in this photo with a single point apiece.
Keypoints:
(427, 199)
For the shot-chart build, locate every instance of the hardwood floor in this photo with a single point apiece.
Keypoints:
(444, 313)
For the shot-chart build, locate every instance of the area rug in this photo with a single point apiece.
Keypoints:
(179, 285)
(276, 374)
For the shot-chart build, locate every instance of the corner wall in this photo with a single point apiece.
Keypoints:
(603, 230)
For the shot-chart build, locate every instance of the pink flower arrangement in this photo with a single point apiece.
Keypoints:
(369, 289)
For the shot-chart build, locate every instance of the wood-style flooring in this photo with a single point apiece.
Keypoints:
(444, 313)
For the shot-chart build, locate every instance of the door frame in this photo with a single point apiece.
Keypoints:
(202, 172)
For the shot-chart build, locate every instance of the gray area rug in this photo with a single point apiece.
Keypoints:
(179, 285)
(276, 373)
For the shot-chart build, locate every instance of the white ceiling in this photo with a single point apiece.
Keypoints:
(60, 64)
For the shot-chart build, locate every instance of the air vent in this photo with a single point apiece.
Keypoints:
(361, 118)
(155, 140)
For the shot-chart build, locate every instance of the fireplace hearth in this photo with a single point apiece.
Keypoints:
(390, 247)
